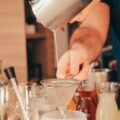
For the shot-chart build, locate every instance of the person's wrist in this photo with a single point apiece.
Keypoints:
(85, 50)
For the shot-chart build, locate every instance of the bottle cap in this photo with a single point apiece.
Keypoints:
(10, 73)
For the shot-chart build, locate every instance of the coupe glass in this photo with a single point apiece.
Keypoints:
(60, 91)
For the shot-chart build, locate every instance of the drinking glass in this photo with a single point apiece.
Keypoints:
(34, 100)
(14, 111)
(100, 75)
(70, 115)
(39, 103)
(3, 102)
(87, 102)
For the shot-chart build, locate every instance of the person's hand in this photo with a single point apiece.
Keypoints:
(74, 63)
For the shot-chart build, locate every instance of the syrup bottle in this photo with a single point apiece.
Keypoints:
(88, 100)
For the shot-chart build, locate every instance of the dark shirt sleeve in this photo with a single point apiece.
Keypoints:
(107, 1)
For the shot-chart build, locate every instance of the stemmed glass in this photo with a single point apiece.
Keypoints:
(60, 91)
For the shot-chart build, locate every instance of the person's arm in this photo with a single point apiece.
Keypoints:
(86, 43)
(93, 31)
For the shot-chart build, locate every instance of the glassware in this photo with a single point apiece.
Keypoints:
(34, 99)
(60, 91)
(3, 102)
(39, 103)
(70, 115)
(87, 99)
(99, 75)
(14, 111)
(107, 107)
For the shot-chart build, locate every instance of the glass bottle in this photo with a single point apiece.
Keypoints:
(87, 100)
(107, 107)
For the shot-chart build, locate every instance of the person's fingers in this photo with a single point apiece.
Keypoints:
(74, 62)
(83, 74)
(63, 66)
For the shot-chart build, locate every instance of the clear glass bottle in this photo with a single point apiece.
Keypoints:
(107, 107)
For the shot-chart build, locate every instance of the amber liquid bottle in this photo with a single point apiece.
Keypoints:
(88, 103)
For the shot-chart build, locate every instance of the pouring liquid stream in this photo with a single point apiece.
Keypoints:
(57, 59)
(62, 113)
(56, 47)
(65, 90)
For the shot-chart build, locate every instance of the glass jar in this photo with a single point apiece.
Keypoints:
(107, 107)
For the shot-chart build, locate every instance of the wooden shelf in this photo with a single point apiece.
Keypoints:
(35, 35)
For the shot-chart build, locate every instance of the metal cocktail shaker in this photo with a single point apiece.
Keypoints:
(54, 13)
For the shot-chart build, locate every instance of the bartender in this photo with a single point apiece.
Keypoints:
(99, 21)
(86, 41)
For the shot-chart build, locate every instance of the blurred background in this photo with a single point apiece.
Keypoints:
(29, 47)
